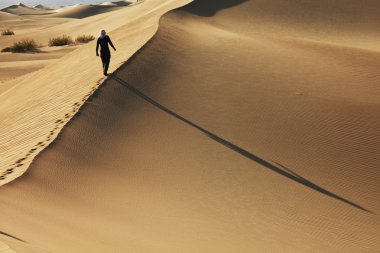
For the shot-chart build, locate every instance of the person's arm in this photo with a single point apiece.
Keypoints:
(97, 48)
(109, 40)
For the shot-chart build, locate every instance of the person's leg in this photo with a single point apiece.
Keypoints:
(104, 60)
(107, 64)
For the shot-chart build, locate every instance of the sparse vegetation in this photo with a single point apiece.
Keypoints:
(84, 38)
(7, 32)
(60, 41)
(7, 49)
(26, 45)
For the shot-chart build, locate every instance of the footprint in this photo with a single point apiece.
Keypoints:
(20, 160)
(39, 144)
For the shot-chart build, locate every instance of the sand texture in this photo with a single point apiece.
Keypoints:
(241, 126)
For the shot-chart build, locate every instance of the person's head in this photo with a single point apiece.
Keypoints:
(103, 33)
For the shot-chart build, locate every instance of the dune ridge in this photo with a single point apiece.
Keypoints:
(252, 141)
(83, 11)
(21, 10)
(16, 153)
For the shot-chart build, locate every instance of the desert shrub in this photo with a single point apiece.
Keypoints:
(7, 49)
(84, 38)
(60, 41)
(7, 32)
(24, 46)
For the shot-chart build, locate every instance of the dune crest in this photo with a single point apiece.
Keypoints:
(241, 126)
(21, 10)
(24, 135)
(83, 11)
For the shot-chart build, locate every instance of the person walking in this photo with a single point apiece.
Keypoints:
(105, 53)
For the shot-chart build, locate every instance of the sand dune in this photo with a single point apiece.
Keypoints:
(21, 9)
(7, 16)
(52, 77)
(238, 139)
(82, 11)
(42, 29)
(124, 3)
(40, 6)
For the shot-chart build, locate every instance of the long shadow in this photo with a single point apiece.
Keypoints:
(11, 236)
(208, 8)
(279, 169)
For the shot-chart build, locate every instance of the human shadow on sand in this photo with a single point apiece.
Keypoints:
(275, 167)
(11, 236)
(208, 8)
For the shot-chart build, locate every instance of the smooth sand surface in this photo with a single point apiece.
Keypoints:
(8, 16)
(256, 135)
(83, 11)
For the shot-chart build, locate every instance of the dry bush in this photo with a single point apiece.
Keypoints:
(84, 38)
(7, 49)
(7, 32)
(22, 46)
(60, 41)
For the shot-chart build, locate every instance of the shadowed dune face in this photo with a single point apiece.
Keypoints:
(352, 23)
(256, 143)
(83, 11)
(210, 7)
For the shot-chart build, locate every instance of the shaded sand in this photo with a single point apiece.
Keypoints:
(83, 11)
(7, 16)
(254, 141)
(60, 94)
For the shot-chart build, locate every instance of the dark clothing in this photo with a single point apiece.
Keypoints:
(105, 53)
(106, 58)
(103, 43)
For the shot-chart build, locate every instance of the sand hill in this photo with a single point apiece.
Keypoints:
(40, 6)
(42, 29)
(82, 11)
(7, 16)
(247, 133)
(21, 9)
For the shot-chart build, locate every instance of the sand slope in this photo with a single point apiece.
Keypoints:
(21, 9)
(7, 16)
(56, 78)
(82, 11)
(42, 28)
(289, 161)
